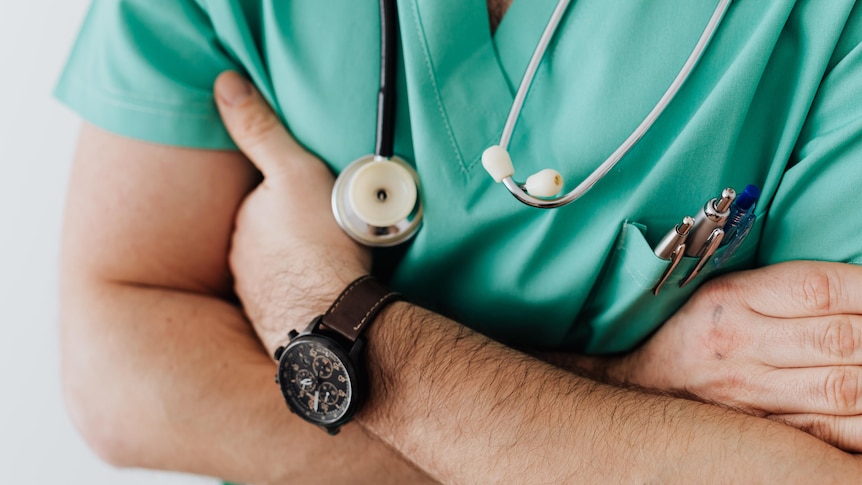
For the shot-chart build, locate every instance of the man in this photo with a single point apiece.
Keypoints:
(190, 388)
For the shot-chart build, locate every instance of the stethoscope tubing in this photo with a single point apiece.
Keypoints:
(376, 199)
(530, 73)
(384, 146)
(517, 189)
(389, 212)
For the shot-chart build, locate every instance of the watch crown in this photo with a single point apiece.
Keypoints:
(292, 334)
(278, 352)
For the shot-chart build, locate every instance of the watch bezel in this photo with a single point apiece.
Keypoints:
(349, 360)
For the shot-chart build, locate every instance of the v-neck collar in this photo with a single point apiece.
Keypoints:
(473, 73)
(517, 35)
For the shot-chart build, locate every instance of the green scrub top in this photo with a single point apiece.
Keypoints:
(775, 102)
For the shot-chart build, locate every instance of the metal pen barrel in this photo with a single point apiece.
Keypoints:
(713, 216)
(669, 244)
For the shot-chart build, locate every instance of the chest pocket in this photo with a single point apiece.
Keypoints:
(622, 311)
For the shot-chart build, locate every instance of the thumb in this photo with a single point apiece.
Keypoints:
(254, 127)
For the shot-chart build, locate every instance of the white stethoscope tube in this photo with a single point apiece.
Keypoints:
(547, 183)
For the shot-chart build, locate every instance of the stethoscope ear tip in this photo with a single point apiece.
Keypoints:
(497, 163)
(545, 183)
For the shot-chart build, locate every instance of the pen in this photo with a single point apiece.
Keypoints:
(739, 222)
(669, 244)
(706, 252)
(713, 216)
(672, 248)
(708, 231)
(741, 211)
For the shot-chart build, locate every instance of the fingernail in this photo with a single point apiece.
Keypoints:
(233, 89)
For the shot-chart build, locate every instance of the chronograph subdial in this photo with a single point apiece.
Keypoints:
(322, 367)
(329, 393)
(305, 381)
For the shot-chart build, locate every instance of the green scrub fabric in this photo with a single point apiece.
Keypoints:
(775, 102)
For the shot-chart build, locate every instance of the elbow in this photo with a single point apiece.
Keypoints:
(92, 387)
(97, 422)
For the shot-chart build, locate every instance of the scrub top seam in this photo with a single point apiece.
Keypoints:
(437, 97)
(195, 110)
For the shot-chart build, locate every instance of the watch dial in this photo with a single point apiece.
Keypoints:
(315, 381)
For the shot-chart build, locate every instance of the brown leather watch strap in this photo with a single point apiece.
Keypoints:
(357, 306)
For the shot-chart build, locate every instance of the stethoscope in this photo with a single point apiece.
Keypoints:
(376, 199)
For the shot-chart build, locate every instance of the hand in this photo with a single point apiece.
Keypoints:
(289, 258)
(783, 341)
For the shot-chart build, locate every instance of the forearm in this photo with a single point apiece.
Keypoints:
(178, 381)
(469, 410)
(601, 368)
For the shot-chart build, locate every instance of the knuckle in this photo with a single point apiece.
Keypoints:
(731, 389)
(721, 340)
(817, 291)
(840, 338)
(841, 390)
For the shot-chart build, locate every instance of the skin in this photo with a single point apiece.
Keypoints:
(496, 10)
(151, 313)
(782, 342)
(435, 382)
(149, 338)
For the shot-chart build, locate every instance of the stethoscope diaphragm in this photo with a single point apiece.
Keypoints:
(376, 201)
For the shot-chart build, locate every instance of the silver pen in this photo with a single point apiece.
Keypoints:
(713, 216)
(706, 252)
(671, 248)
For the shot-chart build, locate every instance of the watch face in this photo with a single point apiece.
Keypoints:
(317, 380)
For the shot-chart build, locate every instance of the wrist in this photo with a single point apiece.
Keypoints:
(321, 370)
(297, 298)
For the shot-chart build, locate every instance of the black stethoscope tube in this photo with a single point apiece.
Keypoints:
(388, 71)
(376, 199)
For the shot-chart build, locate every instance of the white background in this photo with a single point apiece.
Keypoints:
(38, 444)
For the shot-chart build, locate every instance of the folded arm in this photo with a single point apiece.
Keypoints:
(470, 410)
(465, 408)
(160, 369)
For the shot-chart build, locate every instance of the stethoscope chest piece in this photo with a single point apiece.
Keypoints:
(376, 201)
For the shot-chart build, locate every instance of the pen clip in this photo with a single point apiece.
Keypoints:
(706, 252)
(675, 258)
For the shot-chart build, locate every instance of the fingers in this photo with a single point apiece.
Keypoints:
(835, 390)
(255, 128)
(810, 342)
(802, 289)
(844, 432)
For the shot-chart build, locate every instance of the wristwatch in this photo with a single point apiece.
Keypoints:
(321, 371)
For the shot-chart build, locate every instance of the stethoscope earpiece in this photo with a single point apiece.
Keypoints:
(545, 183)
(541, 189)
(498, 164)
(376, 201)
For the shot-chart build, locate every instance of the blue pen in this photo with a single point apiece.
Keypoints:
(739, 222)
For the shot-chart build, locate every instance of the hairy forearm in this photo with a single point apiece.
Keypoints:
(174, 380)
(469, 410)
(607, 369)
